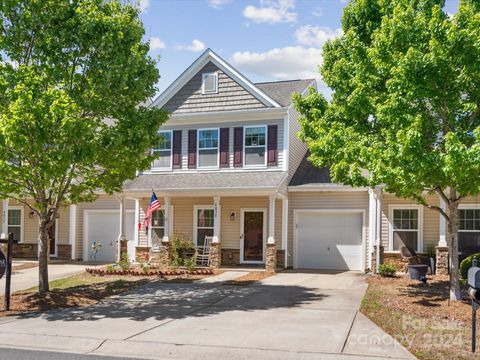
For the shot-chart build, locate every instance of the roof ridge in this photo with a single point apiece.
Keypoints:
(280, 81)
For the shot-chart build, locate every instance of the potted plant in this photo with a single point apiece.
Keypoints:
(431, 252)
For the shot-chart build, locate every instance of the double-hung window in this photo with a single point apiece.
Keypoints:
(406, 229)
(15, 223)
(203, 224)
(157, 225)
(163, 151)
(255, 146)
(208, 148)
(468, 231)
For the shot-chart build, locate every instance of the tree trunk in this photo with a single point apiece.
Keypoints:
(43, 254)
(453, 248)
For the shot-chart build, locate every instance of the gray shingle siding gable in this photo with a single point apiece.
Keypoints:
(230, 96)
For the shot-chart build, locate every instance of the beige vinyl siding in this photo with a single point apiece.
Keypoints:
(231, 125)
(431, 219)
(230, 96)
(296, 148)
(325, 200)
(103, 202)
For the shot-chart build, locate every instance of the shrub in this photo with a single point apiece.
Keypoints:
(182, 249)
(190, 263)
(387, 270)
(467, 264)
(110, 268)
(123, 263)
(145, 266)
(431, 251)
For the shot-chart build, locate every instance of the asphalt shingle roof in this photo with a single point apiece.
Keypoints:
(307, 174)
(282, 91)
(213, 180)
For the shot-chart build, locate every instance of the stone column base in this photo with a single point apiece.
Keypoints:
(442, 261)
(271, 259)
(164, 254)
(142, 254)
(215, 255)
(374, 257)
(123, 248)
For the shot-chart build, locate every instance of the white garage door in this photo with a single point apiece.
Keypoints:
(329, 240)
(104, 227)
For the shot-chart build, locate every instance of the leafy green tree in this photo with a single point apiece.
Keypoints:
(73, 77)
(406, 104)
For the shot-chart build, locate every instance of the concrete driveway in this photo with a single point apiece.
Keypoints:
(291, 315)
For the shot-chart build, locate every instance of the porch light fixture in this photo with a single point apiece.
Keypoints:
(232, 216)
(31, 214)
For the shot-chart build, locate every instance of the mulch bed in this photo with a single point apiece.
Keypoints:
(249, 278)
(420, 316)
(152, 272)
(24, 266)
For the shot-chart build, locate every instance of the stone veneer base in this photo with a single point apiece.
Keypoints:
(231, 257)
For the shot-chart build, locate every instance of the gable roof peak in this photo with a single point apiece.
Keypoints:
(211, 56)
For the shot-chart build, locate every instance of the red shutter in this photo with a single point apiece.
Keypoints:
(238, 146)
(272, 145)
(177, 149)
(224, 144)
(192, 149)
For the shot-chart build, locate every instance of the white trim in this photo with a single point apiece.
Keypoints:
(372, 213)
(166, 168)
(214, 91)
(255, 166)
(242, 235)
(5, 216)
(286, 142)
(22, 222)
(285, 229)
(55, 254)
(468, 207)
(170, 227)
(442, 241)
(245, 115)
(328, 211)
(326, 187)
(85, 227)
(137, 221)
(419, 231)
(72, 231)
(195, 220)
(216, 167)
(197, 65)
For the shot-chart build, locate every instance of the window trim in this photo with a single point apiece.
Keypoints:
(22, 221)
(216, 167)
(195, 221)
(166, 168)
(170, 221)
(467, 207)
(207, 92)
(391, 208)
(258, 166)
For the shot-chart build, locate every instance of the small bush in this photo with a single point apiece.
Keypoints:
(110, 268)
(145, 266)
(190, 263)
(387, 270)
(467, 264)
(183, 249)
(123, 263)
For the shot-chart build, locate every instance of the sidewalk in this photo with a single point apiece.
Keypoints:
(27, 278)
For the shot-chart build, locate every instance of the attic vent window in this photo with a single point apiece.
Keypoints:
(209, 83)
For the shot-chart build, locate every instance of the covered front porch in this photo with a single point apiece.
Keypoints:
(244, 227)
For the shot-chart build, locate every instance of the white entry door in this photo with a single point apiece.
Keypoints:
(329, 240)
(103, 227)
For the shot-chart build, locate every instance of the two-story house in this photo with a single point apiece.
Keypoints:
(230, 166)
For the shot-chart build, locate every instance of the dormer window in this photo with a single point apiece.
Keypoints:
(209, 83)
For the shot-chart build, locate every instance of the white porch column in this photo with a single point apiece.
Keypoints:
(442, 241)
(271, 219)
(372, 224)
(378, 193)
(216, 219)
(166, 217)
(285, 228)
(5, 217)
(72, 235)
(123, 216)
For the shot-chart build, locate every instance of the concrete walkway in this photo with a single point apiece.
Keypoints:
(290, 316)
(28, 278)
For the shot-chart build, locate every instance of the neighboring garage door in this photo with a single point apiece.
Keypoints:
(104, 227)
(329, 240)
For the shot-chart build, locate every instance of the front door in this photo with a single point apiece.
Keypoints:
(252, 234)
(51, 234)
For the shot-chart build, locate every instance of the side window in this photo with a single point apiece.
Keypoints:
(163, 150)
(255, 146)
(203, 225)
(208, 148)
(405, 228)
(15, 223)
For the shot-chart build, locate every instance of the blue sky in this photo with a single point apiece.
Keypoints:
(265, 39)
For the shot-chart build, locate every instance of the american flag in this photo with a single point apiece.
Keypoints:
(153, 206)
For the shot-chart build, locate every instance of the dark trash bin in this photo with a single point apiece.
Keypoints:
(417, 271)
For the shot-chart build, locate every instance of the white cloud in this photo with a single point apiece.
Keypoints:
(156, 43)
(144, 4)
(316, 35)
(195, 46)
(271, 11)
(217, 4)
(318, 11)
